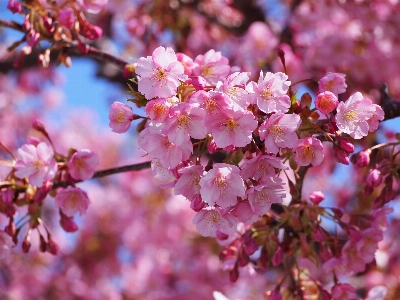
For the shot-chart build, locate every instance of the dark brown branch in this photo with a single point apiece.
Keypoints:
(99, 174)
(11, 24)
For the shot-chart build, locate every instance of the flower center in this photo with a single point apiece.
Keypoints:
(231, 124)
(350, 116)
(277, 132)
(307, 153)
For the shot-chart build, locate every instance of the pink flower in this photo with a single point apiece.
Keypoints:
(158, 146)
(233, 87)
(326, 102)
(232, 128)
(186, 61)
(212, 66)
(208, 221)
(158, 109)
(222, 185)
(352, 115)
(244, 213)
(188, 184)
(261, 165)
(309, 151)
(72, 200)
(377, 116)
(82, 163)
(120, 116)
(211, 102)
(270, 190)
(279, 130)
(160, 74)
(333, 82)
(271, 92)
(93, 6)
(185, 120)
(36, 163)
(6, 243)
(343, 291)
(66, 17)
(368, 244)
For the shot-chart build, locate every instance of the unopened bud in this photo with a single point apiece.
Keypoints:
(363, 158)
(346, 145)
(129, 70)
(264, 259)
(341, 156)
(26, 244)
(38, 125)
(52, 246)
(43, 244)
(281, 54)
(67, 223)
(221, 236)
(197, 203)
(234, 273)
(316, 197)
(83, 48)
(243, 258)
(374, 178)
(305, 100)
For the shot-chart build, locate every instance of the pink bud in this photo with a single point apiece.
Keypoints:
(52, 246)
(221, 236)
(129, 70)
(341, 156)
(363, 158)
(42, 192)
(43, 244)
(10, 210)
(243, 258)
(26, 244)
(14, 6)
(197, 203)
(346, 145)
(263, 260)
(326, 102)
(316, 197)
(374, 178)
(83, 48)
(7, 196)
(234, 273)
(66, 17)
(120, 116)
(32, 38)
(38, 125)
(67, 223)
(319, 235)
(212, 147)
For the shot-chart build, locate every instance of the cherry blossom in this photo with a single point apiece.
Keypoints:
(160, 74)
(279, 131)
(36, 163)
(72, 200)
(309, 151)
(353, 115)
(212, 66)
(222, 185)
(120, 116)
(326, 102)
(333, 82)
(82, 163)
(208, 221)
(271, 92)
(232, 128)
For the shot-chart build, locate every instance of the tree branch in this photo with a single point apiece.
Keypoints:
(103, 173)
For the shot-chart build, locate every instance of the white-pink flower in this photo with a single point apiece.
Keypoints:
(212, 66)
(270, 190)
(82, 163)
(234, 87)
(185, 120)
(72, 200)
(36, 163)
(353, 115)
(333, 82)
(261, 165)
(271, 92)
(279, 130)
(120, 116)
(309, 151)
(158, 109)
(209, 220)
(188, 184)
(160, 74)
(232, 128)
(158, 146)
(377, 116)
(6, 243)
(222, 185)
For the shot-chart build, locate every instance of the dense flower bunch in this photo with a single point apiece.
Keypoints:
(231, 146)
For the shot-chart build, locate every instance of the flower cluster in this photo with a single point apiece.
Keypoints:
(197, 109)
